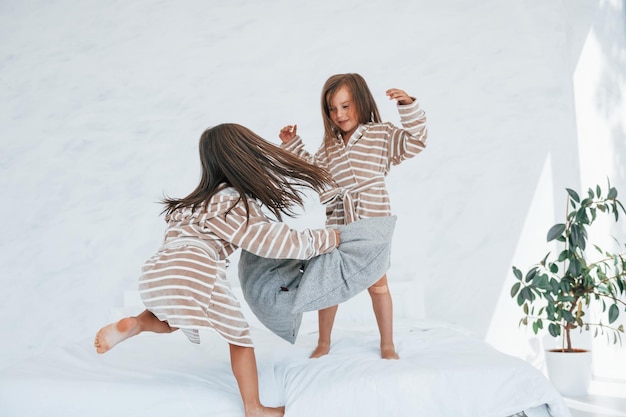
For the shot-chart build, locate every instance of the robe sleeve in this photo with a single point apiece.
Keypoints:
(408, 141)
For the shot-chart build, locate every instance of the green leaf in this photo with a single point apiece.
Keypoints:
(573, 236)
(564, 255)
(554, 268)
(515, 289)
(531, 274)
(581, 216)
(555, 285)
(578, 236)
(517, 273)
(574, 267)
(613, 313)
(598, 191)
(612, 193)
(556, 231)
(554, 330)
(567, 316)
(573, 195)
(527, 294)
(543, 283)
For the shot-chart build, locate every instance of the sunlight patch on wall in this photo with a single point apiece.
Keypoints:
(594, 130)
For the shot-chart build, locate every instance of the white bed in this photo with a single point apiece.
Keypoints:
(442, 372)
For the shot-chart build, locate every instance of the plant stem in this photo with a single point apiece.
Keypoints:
(604, 326)
(568, 326)
(610, 297)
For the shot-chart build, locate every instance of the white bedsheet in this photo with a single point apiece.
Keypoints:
(442, 372)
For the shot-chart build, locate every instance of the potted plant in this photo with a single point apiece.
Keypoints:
(557, 293)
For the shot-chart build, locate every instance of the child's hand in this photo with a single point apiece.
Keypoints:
(287, 133)
(400, 96)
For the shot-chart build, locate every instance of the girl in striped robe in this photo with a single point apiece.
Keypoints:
(184, 285)
(358, 150)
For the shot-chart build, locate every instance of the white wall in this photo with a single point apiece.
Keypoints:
(102, 104)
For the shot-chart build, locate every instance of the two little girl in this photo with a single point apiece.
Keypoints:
(184, 285)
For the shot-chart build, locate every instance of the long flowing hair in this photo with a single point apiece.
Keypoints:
(234, 156)
(362, 98)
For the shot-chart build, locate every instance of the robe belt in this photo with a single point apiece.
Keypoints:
(349, 194)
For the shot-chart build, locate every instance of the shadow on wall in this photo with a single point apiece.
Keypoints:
(611, 94)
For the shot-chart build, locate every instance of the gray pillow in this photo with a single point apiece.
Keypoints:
(278, 291)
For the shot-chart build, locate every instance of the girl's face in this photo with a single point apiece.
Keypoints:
(343, 112)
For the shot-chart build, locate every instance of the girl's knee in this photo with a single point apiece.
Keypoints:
(378, 289)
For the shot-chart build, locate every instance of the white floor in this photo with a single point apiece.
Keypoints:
(606, 399)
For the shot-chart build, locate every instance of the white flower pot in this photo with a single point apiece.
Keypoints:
(569, 372)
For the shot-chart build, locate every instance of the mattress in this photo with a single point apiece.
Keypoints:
(443, 371)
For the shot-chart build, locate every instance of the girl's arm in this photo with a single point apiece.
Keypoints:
(270, 239)
(293, 143)
(408, 141)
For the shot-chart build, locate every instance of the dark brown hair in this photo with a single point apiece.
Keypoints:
(234, 156)
(362, 98)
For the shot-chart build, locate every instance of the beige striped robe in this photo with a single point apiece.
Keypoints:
(185, 282)
(359, 168)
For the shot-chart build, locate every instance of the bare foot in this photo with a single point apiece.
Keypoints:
(388, 352)
(263, 411)
(321, 350)
(114, 333)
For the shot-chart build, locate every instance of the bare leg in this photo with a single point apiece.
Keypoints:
(383, 310)
(114, 333)
(326, 319)
(243, 363)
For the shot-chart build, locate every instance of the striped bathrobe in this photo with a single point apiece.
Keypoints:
(185, 282)
(360, 166)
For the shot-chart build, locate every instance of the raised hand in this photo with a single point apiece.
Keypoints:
(399, 95)
(287, 133)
